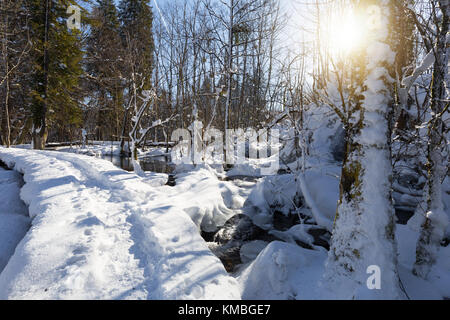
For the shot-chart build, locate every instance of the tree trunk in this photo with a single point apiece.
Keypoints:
(40, 126)
(6, 128)
(436, 220)
(364, 229)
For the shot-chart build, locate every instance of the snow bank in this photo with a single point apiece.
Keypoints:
(102, 233)
(283, 271)
(209, 201)
(320, 189)
(286, 271)
(270, 193)
(438, 283)
(14, 221)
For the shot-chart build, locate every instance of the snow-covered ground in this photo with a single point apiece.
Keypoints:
(287, 271)
(14, 221)
(99, 232)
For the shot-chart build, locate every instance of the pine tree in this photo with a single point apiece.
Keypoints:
(136, 19)
(104, 64)
(56, 62)
(364, 230)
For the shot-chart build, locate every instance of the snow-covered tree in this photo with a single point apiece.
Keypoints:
(434, 218)
(142, 106)
(364, 229)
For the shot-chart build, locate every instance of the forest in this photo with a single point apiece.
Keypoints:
(267, 149)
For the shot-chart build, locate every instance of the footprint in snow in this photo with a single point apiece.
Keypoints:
(90, 222)
(79, 250)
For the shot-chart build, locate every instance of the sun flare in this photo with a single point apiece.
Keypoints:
(343, 34)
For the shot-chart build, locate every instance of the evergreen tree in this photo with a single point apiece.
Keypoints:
(136, 19)
(56, 62)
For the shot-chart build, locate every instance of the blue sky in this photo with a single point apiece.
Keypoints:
(295, 10)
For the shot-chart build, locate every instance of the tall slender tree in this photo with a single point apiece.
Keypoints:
(436, 220)
(14, 53)
(136, 20)
(105, 65)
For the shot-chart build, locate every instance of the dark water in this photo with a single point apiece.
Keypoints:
(159, 164)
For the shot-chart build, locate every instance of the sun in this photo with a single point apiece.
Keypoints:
(343, 33)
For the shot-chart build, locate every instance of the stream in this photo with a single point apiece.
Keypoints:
(158, 164)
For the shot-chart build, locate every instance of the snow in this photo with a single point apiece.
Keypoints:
(438, 284)
(286, 271)
(250, 251)
(102, 233)
(14, 221)
(270, 192)
(323, 216)
(207, 200)
(283, 271)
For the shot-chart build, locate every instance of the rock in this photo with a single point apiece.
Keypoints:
(237, 232)
(208, 236)
(321, 237)
(171, 181)
(240, 228)
(403, 216)
(4, 165)
(230, 258)
(284, 222)
(284, 171)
